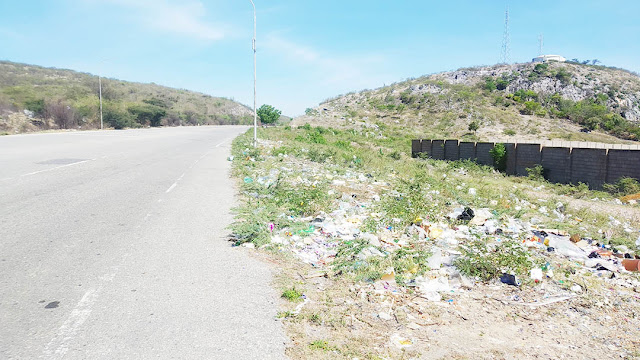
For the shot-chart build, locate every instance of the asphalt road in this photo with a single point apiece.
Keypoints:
(112, 246)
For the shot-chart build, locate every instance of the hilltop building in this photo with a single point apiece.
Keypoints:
(546, 58)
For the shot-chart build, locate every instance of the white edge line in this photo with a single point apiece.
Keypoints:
(172, 187)
(58, 346)
(57, 167)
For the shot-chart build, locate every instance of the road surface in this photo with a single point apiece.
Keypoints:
(112, 246)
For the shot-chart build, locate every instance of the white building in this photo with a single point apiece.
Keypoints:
(546, 58)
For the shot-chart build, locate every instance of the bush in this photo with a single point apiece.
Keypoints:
(474, 126)
(62, 114)
(502, 84)
(624, 186)
(499, 155)
(37, 106)
(147, 114)
(490, 84)
(117, 118)
(536, 173)
(530, 108)
(489, 262)
(563, 75)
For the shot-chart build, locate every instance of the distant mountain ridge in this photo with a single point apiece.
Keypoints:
(34, 98)
(566, 101)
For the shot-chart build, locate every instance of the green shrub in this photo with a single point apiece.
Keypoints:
(37, 106)
(502, 84)
(316, 138)
(563, 75)
(292, 294)
(624, 186)
(117, 118)
(489, 84)
(499, 155)
(489, 262)
(536, 173)
(530, 108)
(147, 114)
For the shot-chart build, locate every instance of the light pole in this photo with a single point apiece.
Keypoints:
(255, 111)
(100, 94)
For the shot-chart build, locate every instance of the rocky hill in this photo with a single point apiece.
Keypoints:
(36, 98)
(503, 102)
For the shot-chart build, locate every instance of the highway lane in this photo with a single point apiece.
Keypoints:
(112, 245)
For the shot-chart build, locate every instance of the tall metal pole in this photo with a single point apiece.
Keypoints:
(100, 91)
(255, 110)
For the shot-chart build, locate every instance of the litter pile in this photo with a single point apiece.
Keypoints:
(443, 259)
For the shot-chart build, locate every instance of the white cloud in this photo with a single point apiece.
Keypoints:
(354, 70)
(177, 17)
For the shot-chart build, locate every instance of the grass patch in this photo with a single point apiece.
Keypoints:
(292, 294)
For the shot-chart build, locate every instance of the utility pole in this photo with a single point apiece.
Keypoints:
(100, 95)
(255, 110)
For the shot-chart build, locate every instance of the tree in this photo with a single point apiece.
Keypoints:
(268, 114)
(474, 126)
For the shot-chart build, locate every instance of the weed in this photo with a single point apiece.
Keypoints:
(536, 173)
(292, 295)
(395, 155)
(284, 314)
(624, 186)
(488, 261)
(321, 345)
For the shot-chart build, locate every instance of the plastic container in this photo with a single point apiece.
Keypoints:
(631, 264)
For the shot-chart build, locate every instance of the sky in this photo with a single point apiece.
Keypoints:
(307, 51)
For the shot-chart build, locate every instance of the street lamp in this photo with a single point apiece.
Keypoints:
(255, 111)
(100, 92)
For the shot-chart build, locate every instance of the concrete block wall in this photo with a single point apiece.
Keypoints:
(511, 158)
(556, 162)
(451, 150)
(622, 163)
(589, 166)
(437, 149)
(467, 150)
(483, 153)
(593, 165)
(416, 147)
(426, 147)
(527, 156)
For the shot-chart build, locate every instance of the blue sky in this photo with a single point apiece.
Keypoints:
(307, 50)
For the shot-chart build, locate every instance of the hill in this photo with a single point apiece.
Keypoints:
(37, 98)
(529, 101)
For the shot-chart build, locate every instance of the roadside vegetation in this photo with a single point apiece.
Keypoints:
(575, 102)
(358, 291)
(36, 98)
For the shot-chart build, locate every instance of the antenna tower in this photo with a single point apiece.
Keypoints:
(506, 56)
(541, 40)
